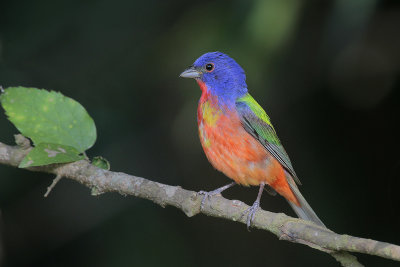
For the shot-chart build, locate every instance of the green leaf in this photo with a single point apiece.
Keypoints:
(44, 154)
(49, 117)
(101, 163)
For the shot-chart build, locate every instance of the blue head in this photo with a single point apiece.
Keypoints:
(221, 74)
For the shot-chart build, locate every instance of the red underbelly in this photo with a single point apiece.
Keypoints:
(237, 154)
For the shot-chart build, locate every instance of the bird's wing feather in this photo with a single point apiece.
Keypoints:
(257, 123)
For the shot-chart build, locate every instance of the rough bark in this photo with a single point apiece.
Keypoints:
(284, 227)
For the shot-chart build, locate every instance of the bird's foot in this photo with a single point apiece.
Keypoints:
(207, 195)
(251, 212)
(213, 193)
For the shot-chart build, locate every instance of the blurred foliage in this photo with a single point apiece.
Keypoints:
(327, 72)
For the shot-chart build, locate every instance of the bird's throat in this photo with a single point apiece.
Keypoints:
(203, 86)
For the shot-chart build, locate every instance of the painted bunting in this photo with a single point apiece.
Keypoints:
(238, 138)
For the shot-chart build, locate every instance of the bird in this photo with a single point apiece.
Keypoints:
(238, 137)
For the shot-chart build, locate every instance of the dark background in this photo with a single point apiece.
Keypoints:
(327, 72)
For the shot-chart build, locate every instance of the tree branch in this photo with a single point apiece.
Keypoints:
(284, 227)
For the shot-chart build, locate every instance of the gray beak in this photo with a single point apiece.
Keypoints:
(190, 72)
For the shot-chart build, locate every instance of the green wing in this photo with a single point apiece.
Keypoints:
(257, 123)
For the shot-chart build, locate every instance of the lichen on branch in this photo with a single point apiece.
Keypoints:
(284, 227)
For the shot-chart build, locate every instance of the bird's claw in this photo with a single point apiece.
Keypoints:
(215, 192)
(251, 212)
(206, 195)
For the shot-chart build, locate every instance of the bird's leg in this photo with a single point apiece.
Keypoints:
(213, 193)
(251, 212)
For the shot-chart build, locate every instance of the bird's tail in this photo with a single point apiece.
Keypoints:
(304, 211)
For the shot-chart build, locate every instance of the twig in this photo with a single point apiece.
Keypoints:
(284, 227)
(53, 184)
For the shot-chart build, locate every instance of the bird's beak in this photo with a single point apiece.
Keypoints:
(190, 72)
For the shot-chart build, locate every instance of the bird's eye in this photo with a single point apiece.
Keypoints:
(209, 67)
